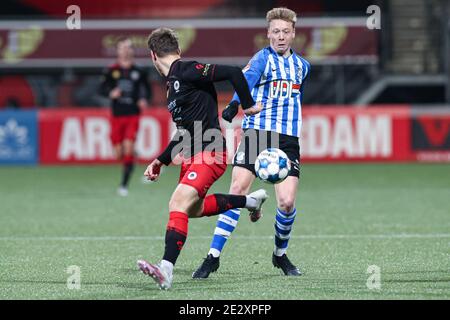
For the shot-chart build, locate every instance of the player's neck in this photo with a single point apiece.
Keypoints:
(286, 54)
(125, 63)
(167, 62)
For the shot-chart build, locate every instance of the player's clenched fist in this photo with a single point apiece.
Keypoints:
(153, 170)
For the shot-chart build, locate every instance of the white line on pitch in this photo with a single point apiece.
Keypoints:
(311, 236)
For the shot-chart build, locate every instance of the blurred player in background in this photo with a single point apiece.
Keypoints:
(276, 77)
(192, 101)
(127, 87)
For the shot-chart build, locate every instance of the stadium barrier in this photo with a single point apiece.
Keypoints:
(329, 134)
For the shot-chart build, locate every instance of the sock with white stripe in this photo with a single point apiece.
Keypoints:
(225, 226)
(283, 227)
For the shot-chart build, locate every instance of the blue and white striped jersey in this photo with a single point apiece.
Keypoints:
(276, 82)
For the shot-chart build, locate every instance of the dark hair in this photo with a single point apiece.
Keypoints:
(163, 41)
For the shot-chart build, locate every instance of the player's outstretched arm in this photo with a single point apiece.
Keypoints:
(232, 109)
(165, 158)
(252, 73)
(198, 72)
(236, 77)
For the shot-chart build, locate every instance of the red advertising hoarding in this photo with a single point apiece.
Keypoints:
(431, 137)
(350, 134)
(83, 135)
(75, 136)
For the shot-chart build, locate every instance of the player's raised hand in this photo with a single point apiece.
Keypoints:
(153, 170)
(115, 93)
(142, 104)
(254, 110)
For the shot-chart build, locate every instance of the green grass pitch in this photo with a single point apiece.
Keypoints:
(350, 216)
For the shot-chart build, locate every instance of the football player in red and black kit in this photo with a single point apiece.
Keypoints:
(127, 87)
(192, 101)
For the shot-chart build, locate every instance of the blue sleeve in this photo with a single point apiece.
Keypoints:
(306, 69)
(253, 71)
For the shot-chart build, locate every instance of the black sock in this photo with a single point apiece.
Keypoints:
(229, 201)
(127, 170)
(174, 243)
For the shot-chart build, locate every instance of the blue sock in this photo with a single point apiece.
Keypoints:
(225, 226)
(283, 227)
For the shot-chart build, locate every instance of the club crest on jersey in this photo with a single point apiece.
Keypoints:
(283, 89)
(176, 85)
(192, 175)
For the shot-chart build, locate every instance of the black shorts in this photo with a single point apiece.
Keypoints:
(254, 141)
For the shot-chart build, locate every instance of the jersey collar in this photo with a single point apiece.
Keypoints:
(171, 66)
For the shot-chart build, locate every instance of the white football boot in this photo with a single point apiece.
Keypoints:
(259, 196)
(122, 191)
(162, 277)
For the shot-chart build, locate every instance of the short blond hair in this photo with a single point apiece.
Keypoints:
(282, 13)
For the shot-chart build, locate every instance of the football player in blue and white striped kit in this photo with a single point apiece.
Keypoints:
(276, 77)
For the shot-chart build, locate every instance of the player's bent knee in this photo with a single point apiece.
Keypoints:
(286, 203)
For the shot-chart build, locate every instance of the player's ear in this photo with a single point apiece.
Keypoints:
(152, 55)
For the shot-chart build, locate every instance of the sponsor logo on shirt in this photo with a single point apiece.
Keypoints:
(240, 157)
(205, 71)
(116, 74)
(283, 89)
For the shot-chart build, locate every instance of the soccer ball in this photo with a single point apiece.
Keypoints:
(272, 165)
